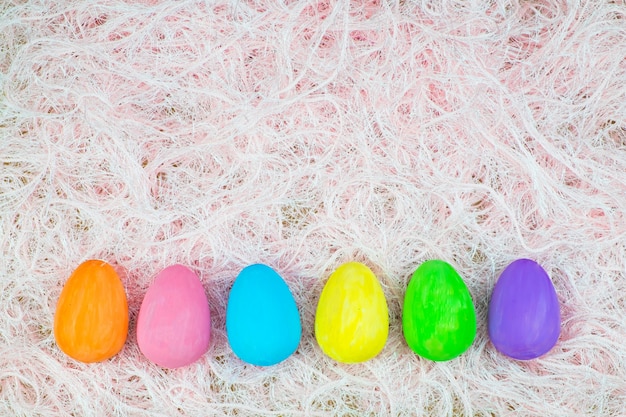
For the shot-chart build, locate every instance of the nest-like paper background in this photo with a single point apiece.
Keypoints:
(304, 134)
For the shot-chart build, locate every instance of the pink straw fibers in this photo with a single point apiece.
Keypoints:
(304, 134)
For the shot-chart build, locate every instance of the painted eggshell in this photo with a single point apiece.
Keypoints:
(262, 318)
(174, 323)
(352, 319)
(438, 319)
(524, 318)
(91, 319)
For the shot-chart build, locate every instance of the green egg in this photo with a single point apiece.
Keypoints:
(438, 318)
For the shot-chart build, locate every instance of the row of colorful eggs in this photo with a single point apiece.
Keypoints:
(263, 323)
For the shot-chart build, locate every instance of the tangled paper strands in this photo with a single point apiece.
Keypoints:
(209, 136)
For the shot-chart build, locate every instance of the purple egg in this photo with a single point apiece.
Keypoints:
(524, 318)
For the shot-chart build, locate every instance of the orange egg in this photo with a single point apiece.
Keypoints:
(91, 320)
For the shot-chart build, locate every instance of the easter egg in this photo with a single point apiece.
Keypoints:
(352, 319)
(262, 319)
(91, 318)
(174, 322)
(438, 318)
(524, 318)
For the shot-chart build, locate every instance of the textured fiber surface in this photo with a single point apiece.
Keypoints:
(304, 134)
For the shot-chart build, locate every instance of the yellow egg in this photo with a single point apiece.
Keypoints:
(352, 318)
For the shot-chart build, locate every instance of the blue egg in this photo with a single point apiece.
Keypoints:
(262, 319)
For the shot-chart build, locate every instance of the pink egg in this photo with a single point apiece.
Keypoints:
(174, 323)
